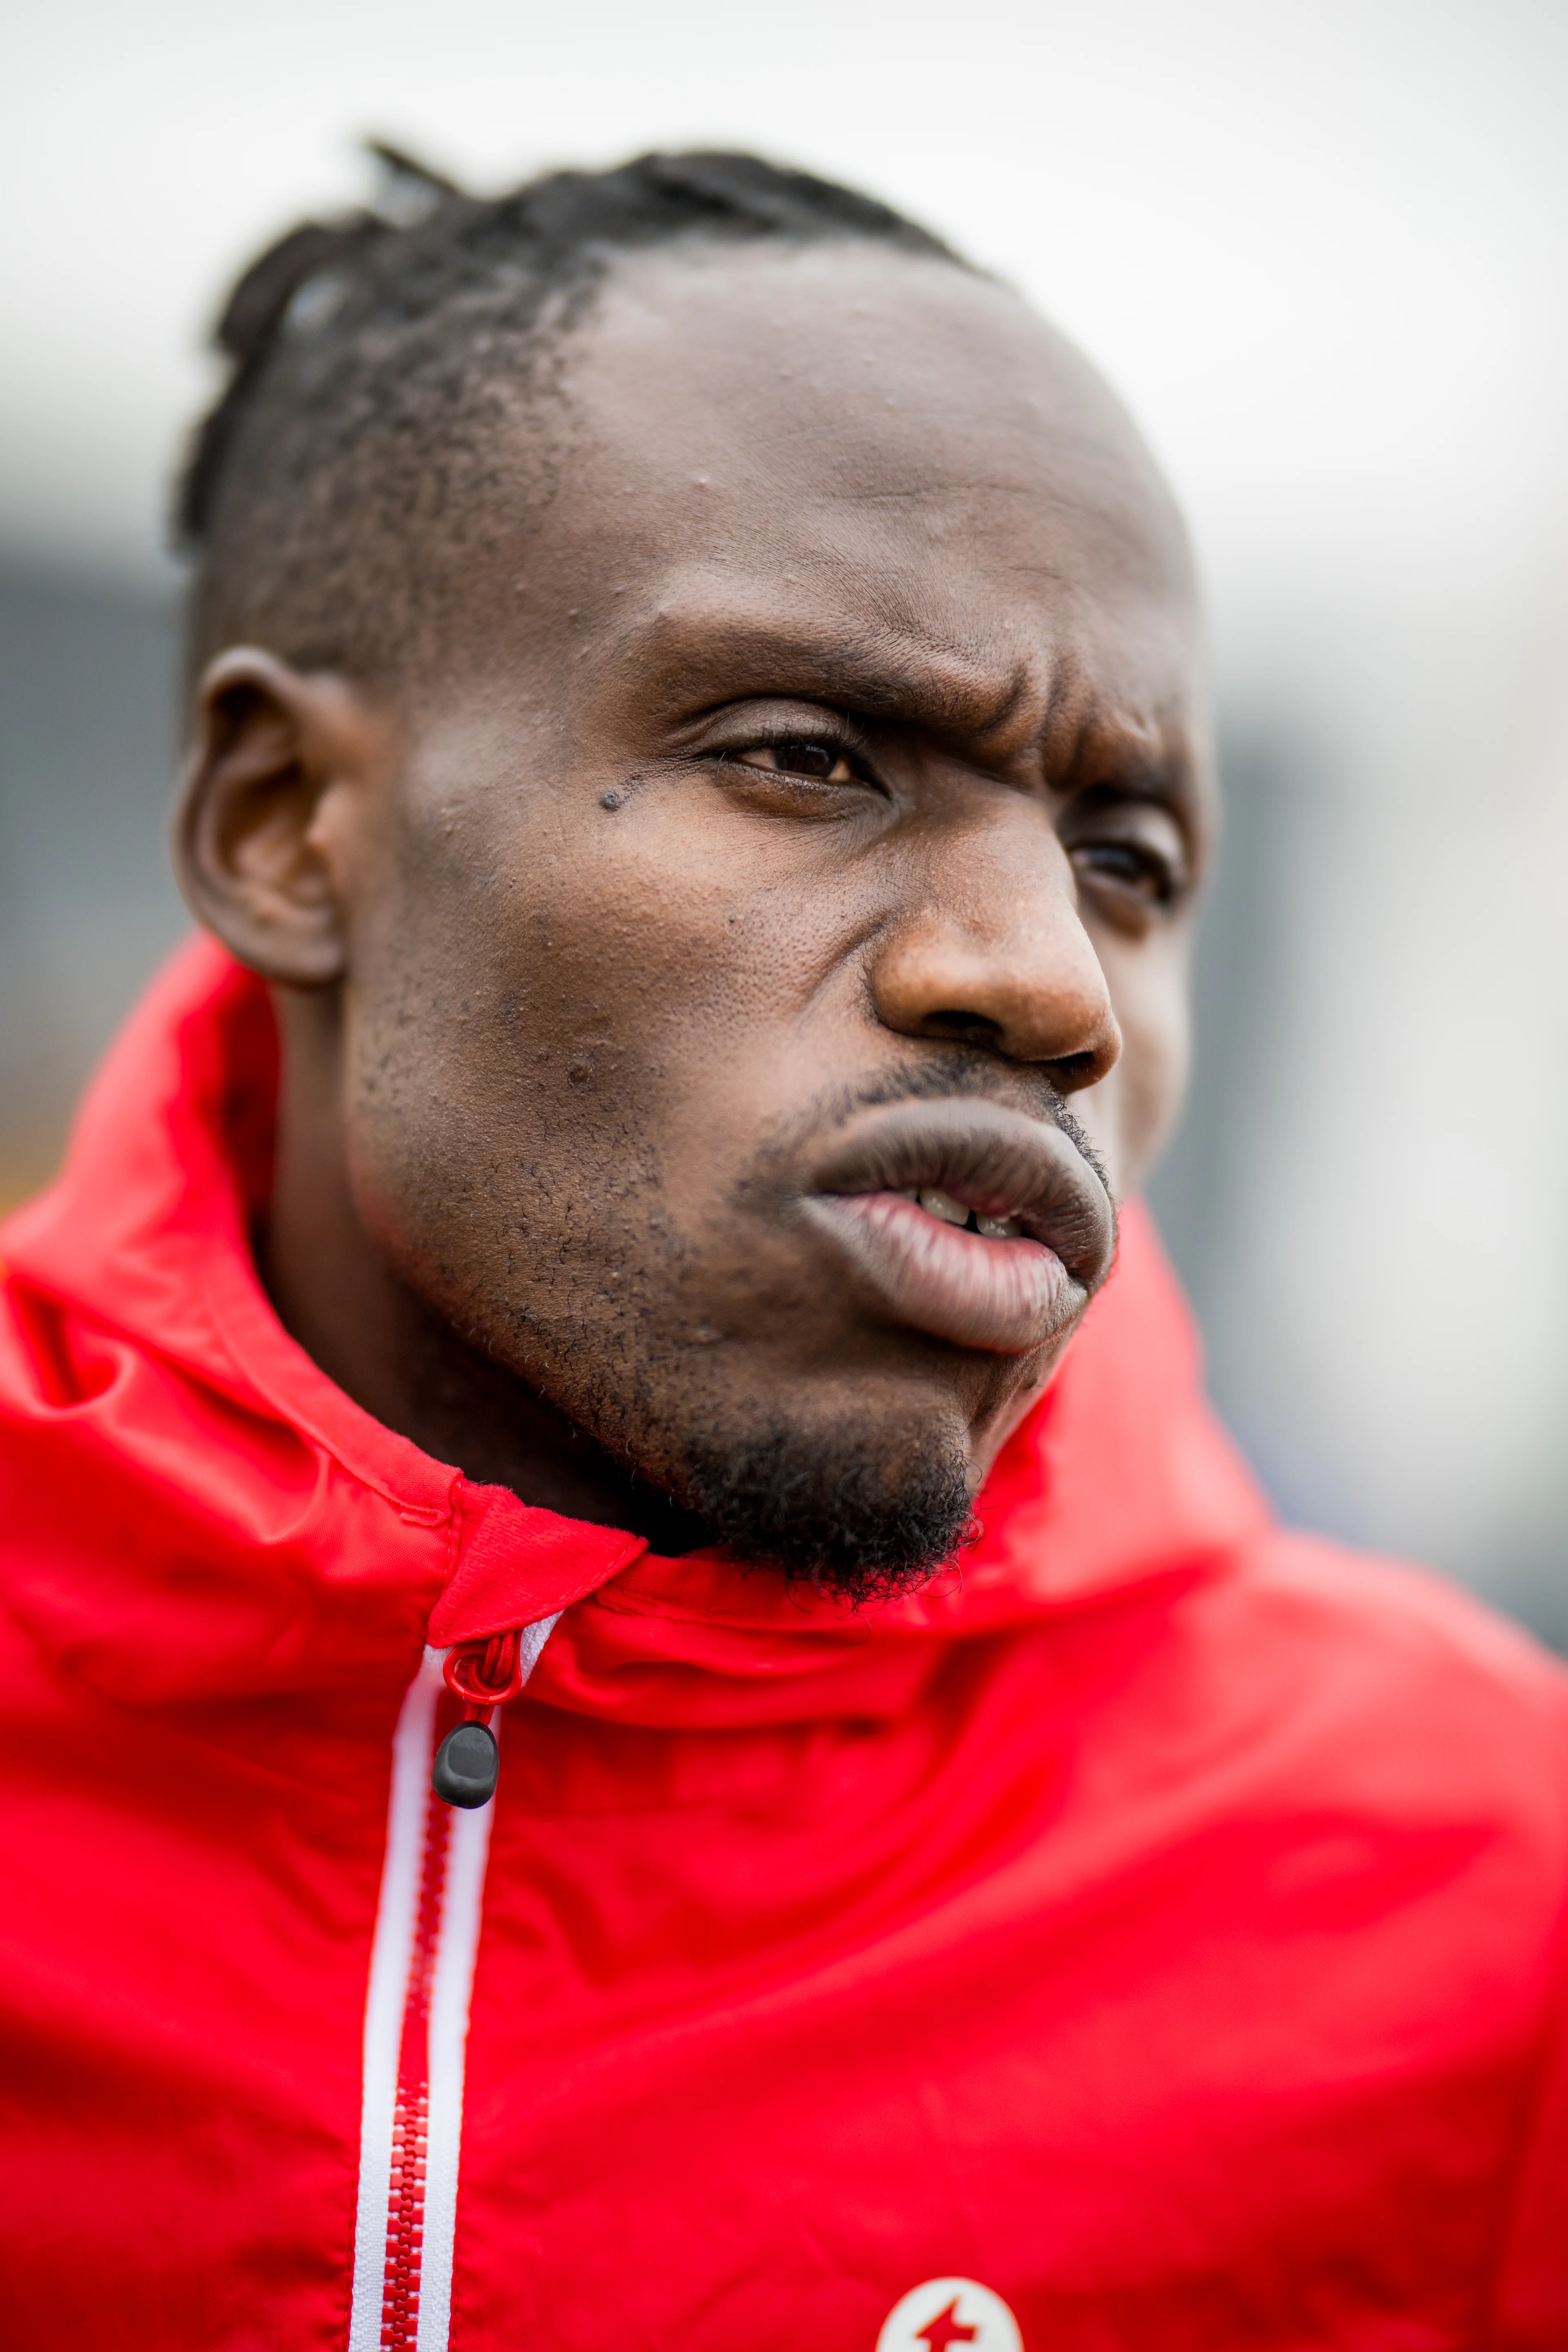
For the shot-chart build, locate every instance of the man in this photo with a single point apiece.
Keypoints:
(698, 783)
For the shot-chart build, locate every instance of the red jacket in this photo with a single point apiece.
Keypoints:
(1152, 1933)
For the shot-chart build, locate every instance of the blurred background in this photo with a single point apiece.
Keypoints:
(1320, 248)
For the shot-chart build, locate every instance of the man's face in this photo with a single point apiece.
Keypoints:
(795, 860)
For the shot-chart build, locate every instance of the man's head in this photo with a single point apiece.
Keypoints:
(698, 722)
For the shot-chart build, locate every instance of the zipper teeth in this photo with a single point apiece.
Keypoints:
(415, 2034)
(410, 2116)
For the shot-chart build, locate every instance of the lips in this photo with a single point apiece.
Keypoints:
(999, 1293)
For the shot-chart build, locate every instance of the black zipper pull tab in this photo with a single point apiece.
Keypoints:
(482, 1674)
(467, 1765)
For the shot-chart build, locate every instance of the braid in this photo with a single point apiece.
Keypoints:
(245, 333)
(372, 358)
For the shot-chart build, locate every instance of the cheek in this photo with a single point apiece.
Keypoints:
(486, 1018)
(1133, 1112)
(559, 1038)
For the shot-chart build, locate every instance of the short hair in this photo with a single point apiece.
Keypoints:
(351, 465)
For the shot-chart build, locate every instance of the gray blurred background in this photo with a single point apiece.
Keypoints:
(1320, 249)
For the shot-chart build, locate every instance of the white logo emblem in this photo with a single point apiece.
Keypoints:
(946, 2313)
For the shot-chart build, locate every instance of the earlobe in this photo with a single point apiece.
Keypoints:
(260, 841)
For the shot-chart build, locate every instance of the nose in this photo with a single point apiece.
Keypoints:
(991, 951)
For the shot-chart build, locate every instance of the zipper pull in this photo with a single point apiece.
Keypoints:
(482, 1674)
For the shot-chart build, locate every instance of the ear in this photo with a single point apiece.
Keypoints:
(280, 768)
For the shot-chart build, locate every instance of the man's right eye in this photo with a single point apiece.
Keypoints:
(817, 762)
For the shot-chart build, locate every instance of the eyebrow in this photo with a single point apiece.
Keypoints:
(877, 672)
(1114, 754)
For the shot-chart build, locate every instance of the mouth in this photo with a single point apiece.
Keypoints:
(966, 1220)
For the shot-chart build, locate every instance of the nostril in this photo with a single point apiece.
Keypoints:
(968, 1028)
(1072, 1070)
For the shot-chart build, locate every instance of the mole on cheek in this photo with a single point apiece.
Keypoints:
(611, 800)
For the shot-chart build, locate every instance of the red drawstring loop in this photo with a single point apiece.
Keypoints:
(484, 1674)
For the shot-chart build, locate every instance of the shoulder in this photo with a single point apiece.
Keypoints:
(1367, 1688)
(1383, 1631)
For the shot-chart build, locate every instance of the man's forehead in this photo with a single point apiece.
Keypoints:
(788, 390)
(849, 446)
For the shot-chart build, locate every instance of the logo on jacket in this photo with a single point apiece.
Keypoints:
(948, 2312)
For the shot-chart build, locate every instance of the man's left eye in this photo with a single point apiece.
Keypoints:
(819, 764)
(1132, 865)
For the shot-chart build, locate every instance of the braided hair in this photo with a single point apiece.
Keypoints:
(353, 463)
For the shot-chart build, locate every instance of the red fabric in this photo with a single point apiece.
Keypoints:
(1159, 1922)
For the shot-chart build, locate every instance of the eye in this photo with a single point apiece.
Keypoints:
(1130, 866)
(814, 760)
(1131, 856)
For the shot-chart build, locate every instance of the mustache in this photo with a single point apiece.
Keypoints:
(960, 1074)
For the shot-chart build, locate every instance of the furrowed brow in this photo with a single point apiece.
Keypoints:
(697, 657)
(1099, 744)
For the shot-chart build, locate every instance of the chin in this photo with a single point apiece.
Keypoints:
(859, 1503)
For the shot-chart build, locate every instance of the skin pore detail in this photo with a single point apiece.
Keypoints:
(724, 986)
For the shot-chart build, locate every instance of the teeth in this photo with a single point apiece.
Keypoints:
(954, 1213)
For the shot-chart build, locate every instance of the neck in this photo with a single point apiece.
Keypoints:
(391, 1352)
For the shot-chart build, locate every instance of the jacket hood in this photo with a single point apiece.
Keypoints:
(197, 1512)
